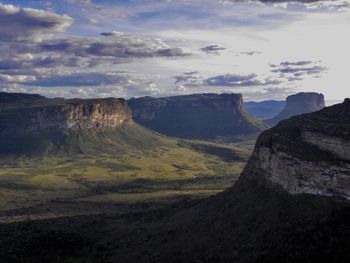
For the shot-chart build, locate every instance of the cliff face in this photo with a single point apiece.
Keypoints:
(307, 154)
(299, 104)
(288, 204)
(64, 114)
(198, 116)
(32, 125)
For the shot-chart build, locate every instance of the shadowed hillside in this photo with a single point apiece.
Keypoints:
(197, 116)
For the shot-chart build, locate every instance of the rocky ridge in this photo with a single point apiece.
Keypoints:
(307, 154)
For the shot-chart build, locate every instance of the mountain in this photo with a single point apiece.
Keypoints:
(291, 204)
(300, 103)
(35, 125)
(264, 109)
(197, 116)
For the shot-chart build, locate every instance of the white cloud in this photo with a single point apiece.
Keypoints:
(30, 24)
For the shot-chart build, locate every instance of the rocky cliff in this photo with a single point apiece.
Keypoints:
(308, 153)
(291, 204)
(65, 114)
(300, 103)
(35, 125)
(197, 116)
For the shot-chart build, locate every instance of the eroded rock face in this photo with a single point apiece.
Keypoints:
(198, 116)
(64, 114)
(304, 102)
(307, 154)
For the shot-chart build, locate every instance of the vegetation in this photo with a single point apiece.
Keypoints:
(160, 170)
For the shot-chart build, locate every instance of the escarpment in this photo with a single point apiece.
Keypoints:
(35, 125)
(196, 116)
(307, 154)
(303, 102)
(288, 205)
(70, 114)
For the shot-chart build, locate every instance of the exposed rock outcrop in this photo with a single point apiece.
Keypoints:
(307, 154)
(197, 116)
(36, 126)
(304, 102)
(288, 205)
(61, 114)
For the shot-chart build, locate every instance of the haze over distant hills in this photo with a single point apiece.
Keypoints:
(264, 109)
(196, 116)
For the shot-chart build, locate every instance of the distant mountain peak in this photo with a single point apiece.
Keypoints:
(300, 103)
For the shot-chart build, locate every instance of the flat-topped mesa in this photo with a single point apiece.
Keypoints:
(196, 116)
(307, 154)
(304, 102)
(76, 114)
(109, 113)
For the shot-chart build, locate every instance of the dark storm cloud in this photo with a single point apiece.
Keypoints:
(26, 23)
(212, 49)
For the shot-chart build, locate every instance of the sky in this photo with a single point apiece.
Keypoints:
(133, 48)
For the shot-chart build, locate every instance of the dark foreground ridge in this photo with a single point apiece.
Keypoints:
(196, 116)
(259, 219)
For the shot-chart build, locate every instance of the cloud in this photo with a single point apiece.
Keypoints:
(34, 59)
(296, 70)
(273, 1)
(250, 53)
(117, 45)
(87, 84)
(17, 24)
(193, 80)
(84, 2)
(236, 80)
(189, 80)
(212, 49)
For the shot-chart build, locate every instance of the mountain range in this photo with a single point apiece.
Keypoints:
(290, 204)
(264, 109)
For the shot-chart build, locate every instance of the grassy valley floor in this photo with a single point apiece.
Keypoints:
(94, 184)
